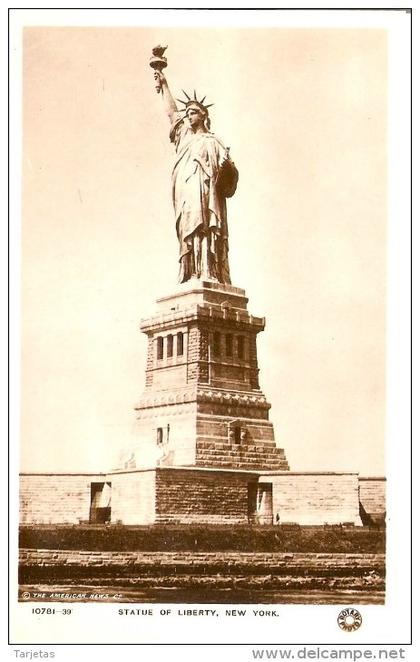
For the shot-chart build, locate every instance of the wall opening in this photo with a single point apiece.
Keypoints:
(241, 347)
(216, 343)
(229, 344)
(100, 503)
(180, 343)
(260, 503)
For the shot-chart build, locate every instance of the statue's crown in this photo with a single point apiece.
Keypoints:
(193, 101)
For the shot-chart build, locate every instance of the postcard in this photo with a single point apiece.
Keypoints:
(210, 234)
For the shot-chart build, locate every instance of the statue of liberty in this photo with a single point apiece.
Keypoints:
(203, 176)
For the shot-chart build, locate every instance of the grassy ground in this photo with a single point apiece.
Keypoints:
(205, 538)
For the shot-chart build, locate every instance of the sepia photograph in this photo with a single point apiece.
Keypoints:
(205, 281)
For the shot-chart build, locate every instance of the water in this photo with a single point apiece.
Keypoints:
(118, 592)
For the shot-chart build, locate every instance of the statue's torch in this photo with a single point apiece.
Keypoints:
(158, 62)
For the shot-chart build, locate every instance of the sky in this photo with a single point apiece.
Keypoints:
(304, 112)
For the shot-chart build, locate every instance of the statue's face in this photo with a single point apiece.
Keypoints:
(195, 117)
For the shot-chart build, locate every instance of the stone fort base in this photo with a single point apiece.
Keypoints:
(193, 495)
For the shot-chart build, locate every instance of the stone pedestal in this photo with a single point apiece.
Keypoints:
(202, 405)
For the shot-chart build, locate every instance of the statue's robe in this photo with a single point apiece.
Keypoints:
(200, 186)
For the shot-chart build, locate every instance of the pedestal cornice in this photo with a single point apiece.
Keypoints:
(202, 394)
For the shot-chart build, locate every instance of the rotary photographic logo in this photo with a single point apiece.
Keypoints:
(349, 620)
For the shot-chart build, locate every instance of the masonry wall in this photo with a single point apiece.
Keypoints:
(256, 449)
(178, 442)
(56, 498)
(133, 497)
(372, 496)
(199, 573)
(185, 496)
(203, 496)
(226, 562)
(315, 498)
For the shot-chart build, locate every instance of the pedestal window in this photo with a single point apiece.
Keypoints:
(229, 344)
(180, 343)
